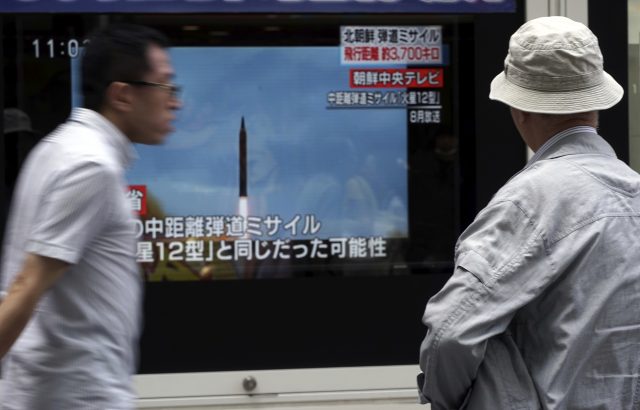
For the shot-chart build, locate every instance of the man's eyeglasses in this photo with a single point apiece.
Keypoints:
(173, 89)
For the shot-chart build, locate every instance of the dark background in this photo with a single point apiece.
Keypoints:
(608, 21)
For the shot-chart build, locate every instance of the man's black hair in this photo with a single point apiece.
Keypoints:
(116, 53)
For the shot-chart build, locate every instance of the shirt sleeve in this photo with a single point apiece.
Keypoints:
(75, 209)
(500, 266)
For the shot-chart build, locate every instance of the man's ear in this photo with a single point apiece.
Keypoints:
(520, 118)
(119, 96)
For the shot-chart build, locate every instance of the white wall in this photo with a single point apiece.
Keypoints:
(355, 388)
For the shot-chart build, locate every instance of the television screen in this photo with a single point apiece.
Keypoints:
(262, 169)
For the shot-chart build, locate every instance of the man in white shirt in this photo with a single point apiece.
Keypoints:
(70, 314)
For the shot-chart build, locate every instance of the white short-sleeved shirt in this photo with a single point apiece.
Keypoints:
(79, 349)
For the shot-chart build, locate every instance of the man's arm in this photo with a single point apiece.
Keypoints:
(78, 206)
(501, 265)
(38, 274)
(454, 347)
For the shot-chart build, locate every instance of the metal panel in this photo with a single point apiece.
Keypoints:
(251, 6)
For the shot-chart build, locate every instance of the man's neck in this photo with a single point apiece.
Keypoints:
(116, 120)
(544, 127)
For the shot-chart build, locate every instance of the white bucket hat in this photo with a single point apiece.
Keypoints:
(555, 66)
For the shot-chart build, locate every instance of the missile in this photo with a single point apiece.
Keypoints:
(243, 160)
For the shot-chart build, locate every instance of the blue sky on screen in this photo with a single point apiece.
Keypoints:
(347, 167)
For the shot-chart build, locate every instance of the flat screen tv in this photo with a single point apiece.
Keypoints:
(307, 204)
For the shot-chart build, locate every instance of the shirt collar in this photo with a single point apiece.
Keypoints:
(123, 146)
(586, 141)
(556, 138)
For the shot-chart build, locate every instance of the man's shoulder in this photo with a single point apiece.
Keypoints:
(75, 144)
(537, 182)
(571, 176)
(560, 194)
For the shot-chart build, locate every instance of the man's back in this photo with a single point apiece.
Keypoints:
(578, 259)
(78, 350)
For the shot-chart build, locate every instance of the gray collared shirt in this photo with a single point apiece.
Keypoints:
(543, 307)
(79, 349)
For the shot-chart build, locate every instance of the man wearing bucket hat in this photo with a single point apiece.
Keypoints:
(543, 308)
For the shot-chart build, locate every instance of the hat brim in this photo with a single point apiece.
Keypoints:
(600, 97)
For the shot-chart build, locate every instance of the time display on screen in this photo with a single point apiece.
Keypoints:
(51, 48)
